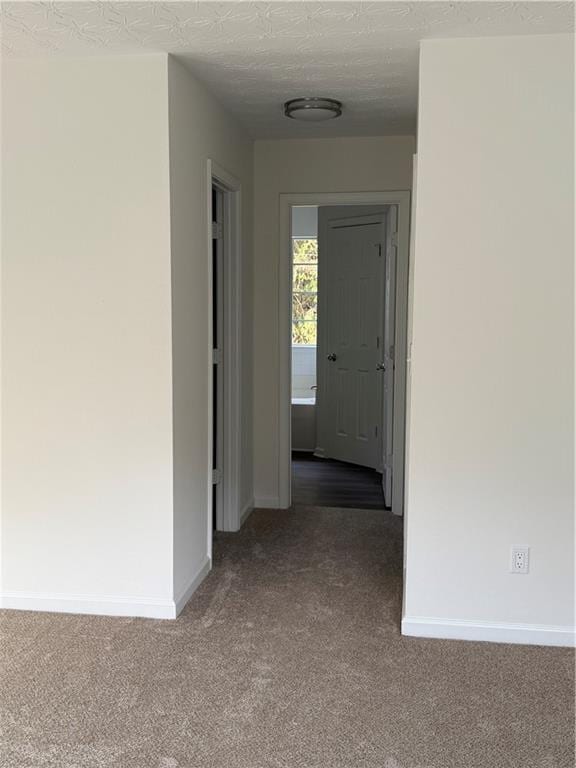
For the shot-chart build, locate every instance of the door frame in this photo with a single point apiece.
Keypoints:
(401, 198)
(228, 517)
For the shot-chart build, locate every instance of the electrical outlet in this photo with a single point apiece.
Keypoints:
(519, 560)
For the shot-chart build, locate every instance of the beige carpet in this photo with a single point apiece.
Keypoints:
(289, 656)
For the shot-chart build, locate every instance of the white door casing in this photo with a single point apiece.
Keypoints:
(388, 350)
(349, 402)
(229, 516)
(218, 369)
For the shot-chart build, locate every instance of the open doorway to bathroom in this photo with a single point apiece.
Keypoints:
(342, 315)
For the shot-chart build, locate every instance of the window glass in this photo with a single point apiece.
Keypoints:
(304, 290)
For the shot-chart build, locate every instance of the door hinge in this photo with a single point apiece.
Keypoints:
(394, 238)
(216, 231)
(216, 356)
(216, 476)
(379, 246)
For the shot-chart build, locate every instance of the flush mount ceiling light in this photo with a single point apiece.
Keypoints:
(313, 109)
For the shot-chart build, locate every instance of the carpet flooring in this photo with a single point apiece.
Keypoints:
(288, 656)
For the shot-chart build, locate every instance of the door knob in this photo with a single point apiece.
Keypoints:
(331, 357)
(381, 367)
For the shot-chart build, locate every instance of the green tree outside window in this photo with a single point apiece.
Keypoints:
(304, 290)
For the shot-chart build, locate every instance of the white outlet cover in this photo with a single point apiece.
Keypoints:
(520, 559)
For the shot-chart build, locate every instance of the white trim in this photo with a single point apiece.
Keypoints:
(104, 605)
(410, 317)
(229, 517)
(304, 346)
(402, 200)
(524, 634)
(267, 502)
(219, 255)
(247, 510)
(195, 582)
(99, 605)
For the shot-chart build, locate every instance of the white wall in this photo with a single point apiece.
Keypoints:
(491, 417)
(105, 331)
(87, 402)
(303, 371)
(301, 166)
(303, 426)
(305, 221)
(201, 129)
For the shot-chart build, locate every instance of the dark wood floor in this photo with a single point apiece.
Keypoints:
(329, 483)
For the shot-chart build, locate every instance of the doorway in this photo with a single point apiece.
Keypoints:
(343, 400)
(225, 259)
(218, 370)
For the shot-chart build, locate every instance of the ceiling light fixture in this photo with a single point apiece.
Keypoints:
(313, 109)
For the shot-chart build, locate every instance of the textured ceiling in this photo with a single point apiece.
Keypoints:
(253, 55)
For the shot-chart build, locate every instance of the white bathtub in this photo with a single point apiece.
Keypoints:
(303, 424)
(303, 401)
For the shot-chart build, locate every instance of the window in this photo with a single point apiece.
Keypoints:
(304, 290)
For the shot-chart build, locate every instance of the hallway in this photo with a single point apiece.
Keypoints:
(288, 656)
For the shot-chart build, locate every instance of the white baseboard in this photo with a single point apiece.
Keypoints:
(103, 605)
(195, 582)
(246, 511)
(267, 502)
(524, 634)
(98, 605)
